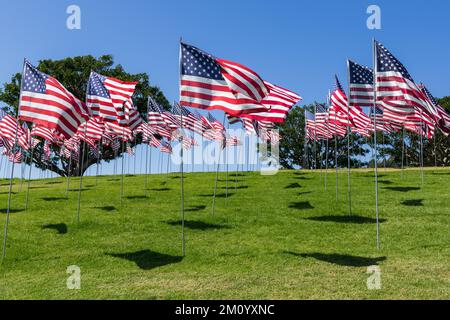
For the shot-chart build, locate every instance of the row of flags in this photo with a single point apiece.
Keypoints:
(108, 116)
(395, 102)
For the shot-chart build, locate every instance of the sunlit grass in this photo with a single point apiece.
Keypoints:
(273, 237)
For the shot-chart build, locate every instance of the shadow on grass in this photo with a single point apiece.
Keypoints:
(54, 198)
(53, 182)
(301, 205)
(196, 208)
(293, 185)
(218, 195)
(78, 189)
(232, 186)
(198, 225)
(147, 259)
(106, 208)
(299, 173)
(412, 202)
(7, 192)
(385, 182)
(402, 189)
(136, 197)
(302, 178)
(345, 219)
(161, 189)
(113, 179)
(61, 228)
(12, 210)
(130, 175)
(340, 259)
(304, 192)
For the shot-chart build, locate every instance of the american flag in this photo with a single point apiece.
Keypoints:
(15, 157)
(45, 101)
(146, 130)
(279, 101)
(214, 123)
(321, 116)
(310, 125)
(212, 83)
(249, 126)
(154, 111)
(396, 90)
(44, 133)
(171, 121)
(185, 117)
(232, 119)
(92, 129)
(132, 117)
(115, 145)
(166, 147)
(443, 118)
(356, 117)
(106, 96)
(361, 84)
(113, 128)
(154, 142)
(130, 150)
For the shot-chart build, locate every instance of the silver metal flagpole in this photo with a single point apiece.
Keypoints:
(183, 240)
(8, 209)
(349, 186)
(403, 150)
(146, 169)
(326, 165)
(335, 153)
(29, 172)
(421, 147)
(123, 168)
(81, 175)
(69, 167)
(434, 145)
(98, 160)
(375, 140)
(215, 183)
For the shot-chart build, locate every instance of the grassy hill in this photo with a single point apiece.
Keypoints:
(274, 237)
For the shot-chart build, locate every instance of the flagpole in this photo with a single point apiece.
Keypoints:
(375, 140)
(98, 160)
(146, 170)
(226, 163)
(69, 167)
(81, 174)
(29, 172)
(335, 153)
(421, 147)
(326, 165)
(403, 150)
(349, 186)
(215, 183)
(123, 166)
(183, 244)
(8, 209)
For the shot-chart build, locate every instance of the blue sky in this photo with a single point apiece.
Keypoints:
(296, 44)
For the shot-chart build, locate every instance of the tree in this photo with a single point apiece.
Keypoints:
(292, 146)
(73, 73)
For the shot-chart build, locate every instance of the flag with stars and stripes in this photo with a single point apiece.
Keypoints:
(395, 88)
(211, 83)
(441, 116)
(106, 96)
(361, 84)
(279, 102)
(45, 101)
(154, 111)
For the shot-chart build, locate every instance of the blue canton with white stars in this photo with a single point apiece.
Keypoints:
(153, 106)
(387, 62)
(360, 74)
(96, 87)
(338, 84)
(195, 62)
(33, 79)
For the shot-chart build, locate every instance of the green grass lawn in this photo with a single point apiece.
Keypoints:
(274, 237)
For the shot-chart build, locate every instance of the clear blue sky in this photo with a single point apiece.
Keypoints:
(296, 44)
